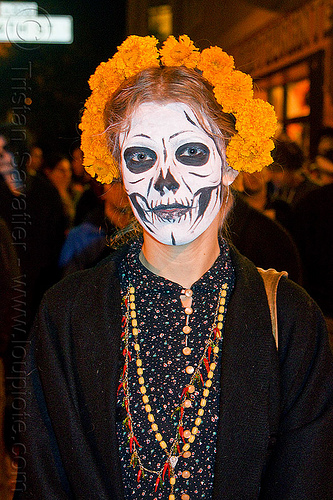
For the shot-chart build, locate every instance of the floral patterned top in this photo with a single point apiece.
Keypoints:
(161, 317)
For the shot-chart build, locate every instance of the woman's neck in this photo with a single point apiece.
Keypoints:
(182, 264)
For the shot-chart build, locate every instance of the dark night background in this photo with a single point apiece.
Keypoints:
(58, 85)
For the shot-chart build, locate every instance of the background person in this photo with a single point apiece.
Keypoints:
(321, 171)
(45, 234)
(36, 159)
(256, 190)
(80, 178)
(325, 140)
(262, 240)
(313, 232)
(8, 168)
(288, 173)
(59, 171)
(87, 243)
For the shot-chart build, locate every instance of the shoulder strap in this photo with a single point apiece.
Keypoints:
(271, 280)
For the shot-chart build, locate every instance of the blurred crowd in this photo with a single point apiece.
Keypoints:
(52, 212)
(297, 195)
(55, 219)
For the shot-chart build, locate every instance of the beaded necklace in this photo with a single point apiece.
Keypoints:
(183, 438)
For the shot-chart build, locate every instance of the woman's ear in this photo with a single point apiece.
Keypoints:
(228, 176)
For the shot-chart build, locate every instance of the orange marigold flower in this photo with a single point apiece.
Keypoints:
(231, 92)
(106, 76)
(179, 53)
(256, 118)
(214, 64)
(105, 171)
(249, 156)
(135, 54)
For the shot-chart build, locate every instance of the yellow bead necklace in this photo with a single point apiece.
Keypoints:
(186, 437)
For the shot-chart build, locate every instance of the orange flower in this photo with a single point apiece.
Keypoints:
(256, 118)
(233, 90)
(249, 155)
(179, 53)
(215, 64)
(105, 171)
(135, 54)
(107, 77)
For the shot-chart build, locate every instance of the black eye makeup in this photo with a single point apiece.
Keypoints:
(139, 159)
(194, 154)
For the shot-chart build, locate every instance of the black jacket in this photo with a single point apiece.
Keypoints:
(313, 232)
(275, 434)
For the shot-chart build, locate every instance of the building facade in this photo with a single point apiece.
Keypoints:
(289, 53)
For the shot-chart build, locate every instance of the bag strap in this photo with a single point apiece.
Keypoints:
(271, 280)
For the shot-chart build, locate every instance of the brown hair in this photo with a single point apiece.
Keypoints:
(163, 85)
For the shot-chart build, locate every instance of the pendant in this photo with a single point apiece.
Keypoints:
(173, 461)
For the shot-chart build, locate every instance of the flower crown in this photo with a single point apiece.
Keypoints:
(249, 150)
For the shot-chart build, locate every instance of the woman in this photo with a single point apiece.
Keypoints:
(58, 169)
(156, 374)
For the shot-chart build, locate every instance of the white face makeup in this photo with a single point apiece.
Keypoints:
(172, 172)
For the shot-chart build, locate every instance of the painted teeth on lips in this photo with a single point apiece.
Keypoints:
(169, 202)
(169, 207)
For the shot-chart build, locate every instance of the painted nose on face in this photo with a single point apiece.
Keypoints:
(168, 183)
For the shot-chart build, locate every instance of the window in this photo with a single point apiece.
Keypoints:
(291, 103)
(160, 21)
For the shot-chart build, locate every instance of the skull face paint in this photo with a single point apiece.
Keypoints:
(172, 172)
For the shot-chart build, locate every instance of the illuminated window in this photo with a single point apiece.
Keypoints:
(298, 132)
(277, 98)
(296, 92)
(291, 103)
(298, 99)
(160, 21)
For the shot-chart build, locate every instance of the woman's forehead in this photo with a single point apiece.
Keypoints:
(166, 120)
